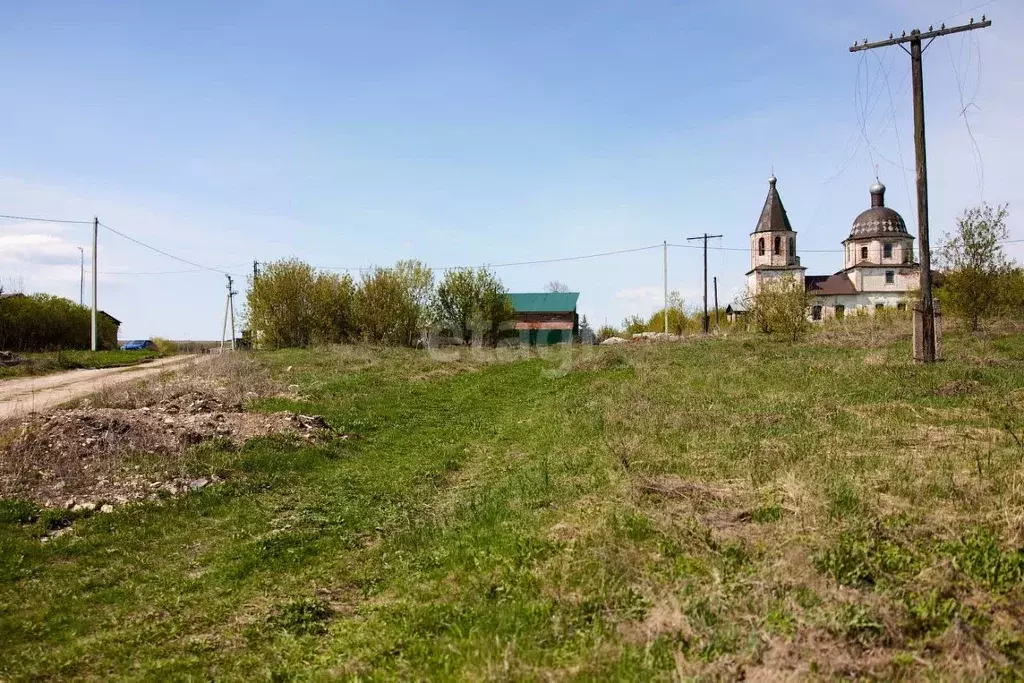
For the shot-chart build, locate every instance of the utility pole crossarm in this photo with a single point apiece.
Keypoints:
(918, 35)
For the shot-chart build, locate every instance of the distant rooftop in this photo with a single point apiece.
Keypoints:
(544, 302)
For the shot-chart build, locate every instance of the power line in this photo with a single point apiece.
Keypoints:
(164, 253)
(961, 80)
(896, 130)
(516, 263)
(38, 219)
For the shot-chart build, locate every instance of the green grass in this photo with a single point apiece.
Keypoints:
(59, 361)
(694, 510)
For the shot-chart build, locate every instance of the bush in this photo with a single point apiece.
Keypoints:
(291, 304)
(633, 324)
(41, 322)
(165, 346)
(780, 307)
(471, 301)
(393, 305)
(978, 272)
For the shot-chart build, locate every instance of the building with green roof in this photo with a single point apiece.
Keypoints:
(545, 318)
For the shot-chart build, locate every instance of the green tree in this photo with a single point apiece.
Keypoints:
(606, 332)
(290, 304)
(634, 324)
(977, 269)
(471, 301)
(780, 307)
(677, 319)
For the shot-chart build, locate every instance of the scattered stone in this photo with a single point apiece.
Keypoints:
(614, 340)
(9, 358)
(106, 508)
(312, 422)
(197, 484)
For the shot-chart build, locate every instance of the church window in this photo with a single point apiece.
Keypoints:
(890, 277)
(840, 311)
(887, 250)
(863, 252)
(778, 244)
(792, 246)
(760, 247)
(815, 312)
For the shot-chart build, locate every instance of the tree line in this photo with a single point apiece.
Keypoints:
(292, 304)
(41, 322)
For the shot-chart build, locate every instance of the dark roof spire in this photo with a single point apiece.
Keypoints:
(773, 215)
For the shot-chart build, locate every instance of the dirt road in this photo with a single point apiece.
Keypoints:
(21, 396)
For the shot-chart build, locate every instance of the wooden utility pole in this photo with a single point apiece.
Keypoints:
(916, 49)
(255, 270)
(706, 322)
(716, 302)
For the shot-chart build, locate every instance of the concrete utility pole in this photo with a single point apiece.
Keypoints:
(706, 322)
(664, 246)
(229, 310)
(916, 49)
(95, 238)
(81, 277)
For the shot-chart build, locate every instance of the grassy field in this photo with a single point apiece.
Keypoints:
(58, 361)
(712, 509)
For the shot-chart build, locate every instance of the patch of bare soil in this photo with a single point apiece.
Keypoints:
(99, 457)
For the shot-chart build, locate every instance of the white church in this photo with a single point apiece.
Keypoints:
(878, 264)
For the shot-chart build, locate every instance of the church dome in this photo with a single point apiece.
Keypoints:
(879, 220)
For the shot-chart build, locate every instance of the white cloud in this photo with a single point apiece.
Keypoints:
(37, 249)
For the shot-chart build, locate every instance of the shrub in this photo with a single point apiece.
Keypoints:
(978, 270)
(165, 346)
(634, 324)
(780, 307)
(678, 322)
(393, 305)
(471, 301)
(291, 304)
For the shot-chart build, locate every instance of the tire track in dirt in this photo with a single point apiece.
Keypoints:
(22, 396)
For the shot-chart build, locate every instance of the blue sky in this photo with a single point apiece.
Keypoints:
(353, 134)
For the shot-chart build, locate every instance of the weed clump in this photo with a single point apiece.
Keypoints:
(16, 511)
(979, 556)
(866, 557)
(303, 617)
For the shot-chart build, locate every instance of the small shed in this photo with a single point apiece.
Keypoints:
(109, 329)
(544, 318)
(735, 312)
